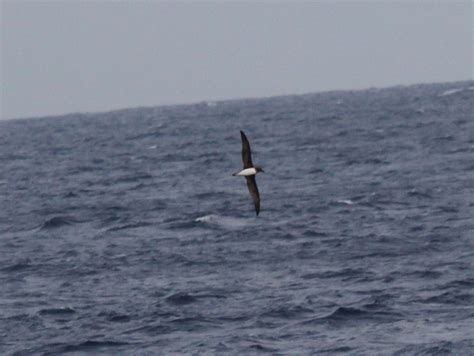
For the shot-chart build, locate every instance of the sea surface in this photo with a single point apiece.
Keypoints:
(124, 233)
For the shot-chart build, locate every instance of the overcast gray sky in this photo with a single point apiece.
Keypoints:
(59, 57)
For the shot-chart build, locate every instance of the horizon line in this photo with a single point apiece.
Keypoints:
(222, 100)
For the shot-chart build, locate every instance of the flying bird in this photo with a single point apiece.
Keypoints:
(249, 172)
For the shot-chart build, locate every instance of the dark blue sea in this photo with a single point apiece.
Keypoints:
(124, 233)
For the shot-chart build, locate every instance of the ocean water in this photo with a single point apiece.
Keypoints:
(124, 233)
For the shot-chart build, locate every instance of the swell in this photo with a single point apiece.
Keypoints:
(57, 222)
(88, 346)
(349, 315)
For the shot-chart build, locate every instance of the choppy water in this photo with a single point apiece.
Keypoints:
(125, 233)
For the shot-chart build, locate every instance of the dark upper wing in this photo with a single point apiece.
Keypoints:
(252, 185)
(246, 154)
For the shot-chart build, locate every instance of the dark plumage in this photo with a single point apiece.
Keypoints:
(246, 153)
(251, 183)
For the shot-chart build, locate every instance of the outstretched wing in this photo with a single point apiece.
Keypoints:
(246, 154)
(252, 185)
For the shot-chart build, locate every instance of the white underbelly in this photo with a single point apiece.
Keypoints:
(247, 172)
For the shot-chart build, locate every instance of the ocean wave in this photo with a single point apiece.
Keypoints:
(454, 297)
(225, 221)
(17, 266)
(443, 347)
(355, 315)
(348, 313)
(287, 312)
(115, 317)
(131, 225)
(57, 311)
(89, 346)
(181, 299)
(58, 221)
(346, 273)
(451, 91)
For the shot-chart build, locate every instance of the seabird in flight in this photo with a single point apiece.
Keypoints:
(249, 172)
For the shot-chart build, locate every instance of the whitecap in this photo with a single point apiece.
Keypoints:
(451, 92)
(224, 221)
(346, 202)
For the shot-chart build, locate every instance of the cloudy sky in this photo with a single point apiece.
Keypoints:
(60, 57)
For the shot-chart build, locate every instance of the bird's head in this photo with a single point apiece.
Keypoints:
(259, 169)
